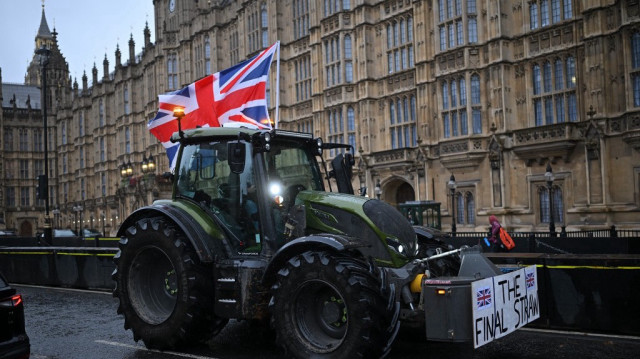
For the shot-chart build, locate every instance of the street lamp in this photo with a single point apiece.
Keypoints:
(148, 166)
(549, 178)
(452, 189)
(43, 55)
(378, 190)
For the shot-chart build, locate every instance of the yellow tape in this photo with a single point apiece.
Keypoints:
(85, 254)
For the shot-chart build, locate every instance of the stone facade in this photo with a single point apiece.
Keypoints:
(488, 91)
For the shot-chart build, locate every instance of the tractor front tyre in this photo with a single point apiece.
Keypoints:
(328, 305)
(165, 294)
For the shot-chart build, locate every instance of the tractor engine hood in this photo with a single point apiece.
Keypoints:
(390, 236)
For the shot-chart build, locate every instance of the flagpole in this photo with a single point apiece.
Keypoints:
(277, 86)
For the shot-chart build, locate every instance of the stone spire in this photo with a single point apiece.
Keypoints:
(44, 36)
(105, 68)
(94, 72)
(118, 56)
(132, 51)
(85, 85)
(147, 36)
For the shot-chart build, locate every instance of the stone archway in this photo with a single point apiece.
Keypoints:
(397, 190)
(405, 193)
(26, 229)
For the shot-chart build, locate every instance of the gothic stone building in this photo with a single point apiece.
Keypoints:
(491, 92)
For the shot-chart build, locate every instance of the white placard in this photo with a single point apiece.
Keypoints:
(504, 303)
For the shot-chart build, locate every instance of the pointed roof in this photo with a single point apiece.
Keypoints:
(43, 31)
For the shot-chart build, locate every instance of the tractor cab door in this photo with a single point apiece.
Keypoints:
(209, 176)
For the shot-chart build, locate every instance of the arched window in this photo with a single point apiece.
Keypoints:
(635, 65)
(558, 204)
(471, 209)
(207, 56)
(459, 208)
(351, 120)
(392, 111)
(347, 46)
(264, 23)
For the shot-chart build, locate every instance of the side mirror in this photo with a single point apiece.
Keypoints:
(236, 152)
(342, 166)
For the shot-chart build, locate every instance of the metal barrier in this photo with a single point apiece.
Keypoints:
(585, 292)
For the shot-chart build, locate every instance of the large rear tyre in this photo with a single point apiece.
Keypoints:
(327, 305)
(165, 293)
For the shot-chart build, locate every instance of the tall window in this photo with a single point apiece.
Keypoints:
(37, 140)
(348, 56)
(554, 97)
(103, 184)
(635, 67)
(24, 169)
(402, 121)
(476, 106)
(125, 99)
(81, 123)
(207, 56)
(333, 6)
(558, 204)
(23, 138)
(233, 44)
(8, 139)
(333, 63)
(465, 208)
(543, 13)
(127, 140)
(101, 113)
(172, 71)
(400, 44)
(63, 131)
(454, 100)
(351, 127)
(455, 19)
(24, 196)
(82, 189)
(336, 128)
(300, 18)
(264, 23)
(102, 151)
(81, 156)
(302, 68)
(257, 23)
(11, 197)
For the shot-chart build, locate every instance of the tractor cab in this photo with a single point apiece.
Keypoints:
(248, 181)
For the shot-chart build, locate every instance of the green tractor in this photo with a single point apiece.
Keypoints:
(251, 233)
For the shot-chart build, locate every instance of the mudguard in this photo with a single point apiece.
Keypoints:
(206, 245)
(331, 242)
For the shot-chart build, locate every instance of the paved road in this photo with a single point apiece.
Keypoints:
(70, 324)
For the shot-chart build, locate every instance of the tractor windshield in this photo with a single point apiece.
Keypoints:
(292, 167)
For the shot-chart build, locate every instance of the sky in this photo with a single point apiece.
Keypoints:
(87, 29)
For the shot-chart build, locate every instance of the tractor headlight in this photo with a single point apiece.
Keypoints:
(396, 246)
(275, 190)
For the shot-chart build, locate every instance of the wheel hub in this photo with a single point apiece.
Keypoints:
(331, 312)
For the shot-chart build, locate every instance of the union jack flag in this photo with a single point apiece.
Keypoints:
(232, 97)
(530, 279)
(483, 297)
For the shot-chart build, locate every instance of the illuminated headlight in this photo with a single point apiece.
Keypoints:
(267, 137)
(319, 144)
(275, 189)
(395, 245)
